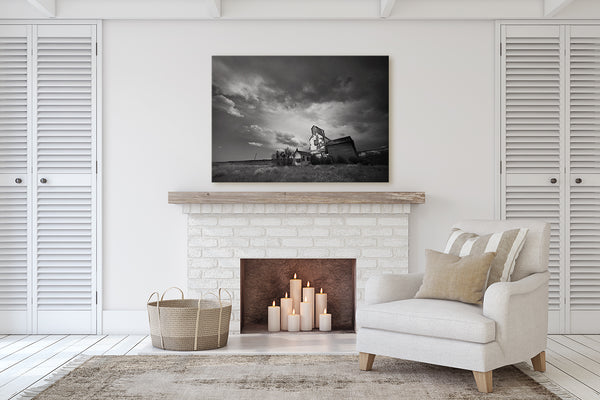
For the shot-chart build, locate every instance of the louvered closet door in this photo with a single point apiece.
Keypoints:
(532, 70)
(14, 259)
(583, 171)
(64, 248)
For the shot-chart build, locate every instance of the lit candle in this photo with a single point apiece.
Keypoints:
(306, 317)
(293, 321)
(320, 306)
(274, 318)
(309, 296)
(296, 292)
(325, 321)
(286, 309)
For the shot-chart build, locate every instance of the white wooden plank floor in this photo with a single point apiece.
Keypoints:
(573, 361)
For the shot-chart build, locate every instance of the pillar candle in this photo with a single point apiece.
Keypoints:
(325, 321)
(308, 293)
(296, 292)
(286, 309)
(306, 317)
(293, 321)
(274, 318)
(320, 306)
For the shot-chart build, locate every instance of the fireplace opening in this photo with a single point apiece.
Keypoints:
(264, 280)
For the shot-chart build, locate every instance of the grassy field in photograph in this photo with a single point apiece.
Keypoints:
(264, 171)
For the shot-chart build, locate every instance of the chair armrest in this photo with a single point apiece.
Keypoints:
(520, 310)
(387, 287)
(500, 292)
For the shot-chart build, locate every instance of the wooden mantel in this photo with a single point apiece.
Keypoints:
(296, 197)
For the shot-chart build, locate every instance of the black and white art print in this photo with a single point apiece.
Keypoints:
(300, 119)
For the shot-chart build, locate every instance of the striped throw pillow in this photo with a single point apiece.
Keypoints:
(507, 245)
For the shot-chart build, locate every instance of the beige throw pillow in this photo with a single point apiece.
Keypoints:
(451, 277)
(507, 245)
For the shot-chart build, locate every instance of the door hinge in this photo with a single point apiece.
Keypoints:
(500, 167)
(500, 49)
(96, 166)
(96, 297)
(96, 48)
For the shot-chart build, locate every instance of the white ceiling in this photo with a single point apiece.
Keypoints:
(300, 9)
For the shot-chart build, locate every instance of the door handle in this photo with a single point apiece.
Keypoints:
(18, 180)
(553, 180)
(578, 180)
(44, 180)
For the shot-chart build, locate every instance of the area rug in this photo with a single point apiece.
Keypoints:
(279, 377)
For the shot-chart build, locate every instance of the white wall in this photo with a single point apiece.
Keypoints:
(157, 129)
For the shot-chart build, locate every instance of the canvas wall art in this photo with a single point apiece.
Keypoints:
(300, 119)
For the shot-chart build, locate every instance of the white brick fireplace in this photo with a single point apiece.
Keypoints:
(219, 235)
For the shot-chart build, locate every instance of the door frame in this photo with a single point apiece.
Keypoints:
(500, 172)
(97, 155)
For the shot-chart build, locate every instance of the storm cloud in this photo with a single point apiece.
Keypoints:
(266, 103)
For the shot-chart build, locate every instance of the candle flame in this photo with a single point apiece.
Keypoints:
(294, 275)
(305, 299)
(321, 290)
(273, 303)
(286, 295)
(325, 311)
(308, 284)
(294, 311)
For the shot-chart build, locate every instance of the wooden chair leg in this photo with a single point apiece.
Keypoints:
(365, 361)
(483, 381)
(539, 362)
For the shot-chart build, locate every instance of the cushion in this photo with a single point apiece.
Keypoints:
(533, 257)
(430, 317)
(507, 245)
(450, 277)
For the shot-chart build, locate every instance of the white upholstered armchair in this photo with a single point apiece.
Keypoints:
(510, 327)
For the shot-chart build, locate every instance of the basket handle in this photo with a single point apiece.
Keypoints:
(212, 294)
(158, 299)
(221, 315)
(226, 291)
(198, 320)
(172, 287)
(197, 323)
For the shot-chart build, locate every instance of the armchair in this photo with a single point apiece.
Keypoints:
(509, 327)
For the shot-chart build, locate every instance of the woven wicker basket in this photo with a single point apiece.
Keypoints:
(192, 324)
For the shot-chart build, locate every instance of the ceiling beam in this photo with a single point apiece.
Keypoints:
(553, 7)
(386, 7)
(297, 10)
(48, 7)
(214, 8)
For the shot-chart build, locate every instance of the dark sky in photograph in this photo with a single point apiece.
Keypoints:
(261, 104)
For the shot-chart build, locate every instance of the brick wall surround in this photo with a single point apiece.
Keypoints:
(220, 234)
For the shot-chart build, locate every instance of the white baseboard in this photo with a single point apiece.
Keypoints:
(125, 322)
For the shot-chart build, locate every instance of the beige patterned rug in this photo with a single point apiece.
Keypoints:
(279, 377)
